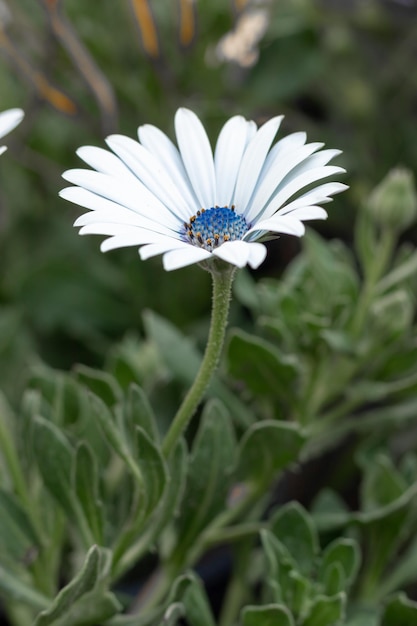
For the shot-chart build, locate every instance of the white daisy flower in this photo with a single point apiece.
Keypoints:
(8, 121)
(191, 206)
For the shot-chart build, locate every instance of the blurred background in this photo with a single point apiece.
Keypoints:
(345, 72)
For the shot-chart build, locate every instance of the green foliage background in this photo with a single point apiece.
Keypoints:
(342, 73)
(345, 73)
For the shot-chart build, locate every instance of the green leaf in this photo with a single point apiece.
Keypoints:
(402, 573)
(284, 584)
(266, 448)
(294, 528)
(209, 472)
(326, 611)
(245, 288)
(168, 509)
(197, 608)
(139, 413)
(178, 352)
(15, 589)
(331, 267)
(344, 552)
(115, 437)
(92, 608)
(399, 274)
(183, 360)
(268, 615)
(334, 579)
(55, 459)
(17, 536)
(153, 468)
(100, 383)
(400, 611)
(329, 510)
(261, 366)
(174, 612)
(299, 591)
(86, 485)
(364, 617)
(382, 483)
(84, 582)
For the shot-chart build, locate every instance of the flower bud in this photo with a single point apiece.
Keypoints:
(393, 203)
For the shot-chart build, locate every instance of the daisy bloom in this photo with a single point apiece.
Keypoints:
(8, 121)
(192, 206)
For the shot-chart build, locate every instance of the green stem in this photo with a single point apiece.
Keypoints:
(381, 258)
(222, 283)
(237, 590)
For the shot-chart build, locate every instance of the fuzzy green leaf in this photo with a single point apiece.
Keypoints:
(326, 611)
(268, 615)
(344, 552)
(261, 366)
(183, 360)
(209, 478)
(197, 607)
(115, 437)
(84, 582)
(153, 468)
(266, 448)
(15, 589)
(294, 528)
(174, 612)
(86, 485)
(56, 460)
(17, 536)
(138, 412)
(101, 383)
(400, 611)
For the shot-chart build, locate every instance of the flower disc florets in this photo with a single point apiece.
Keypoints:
(211, 228)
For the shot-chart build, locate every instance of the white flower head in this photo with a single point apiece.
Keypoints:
(8, 121)
(191, 206)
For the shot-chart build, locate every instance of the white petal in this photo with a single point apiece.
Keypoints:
(114, 214)
(110, 229)
(148, 169)
(196, 155)
(257, 254)
(313, 162)
(131, 194)
(253, 161)
(101, 206)
(278, 224)
(318, 195)
(167, 154)
(127, 240)
(9, 120)
(103, 161)
(175, 259)
(228, 154)
(3, 149)
(297, 184)
(185, 254)
(309, 213)
(283, 146)
(277, 172)
(159, 247)
(234, 252)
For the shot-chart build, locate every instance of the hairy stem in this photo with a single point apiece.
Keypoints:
(222, 283)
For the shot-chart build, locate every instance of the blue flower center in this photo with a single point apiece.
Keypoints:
(209, 228)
